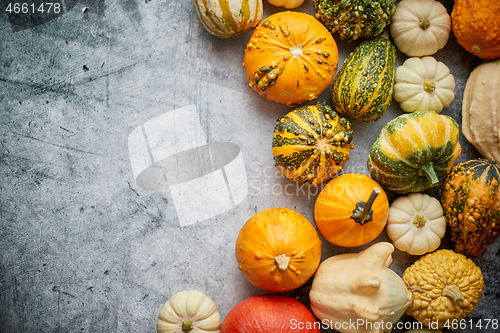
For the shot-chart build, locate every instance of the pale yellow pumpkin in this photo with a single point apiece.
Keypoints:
(420, 27)
(355, 287)
(423, 84)
(481, 109)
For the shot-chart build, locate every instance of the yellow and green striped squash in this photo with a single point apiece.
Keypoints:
(311, 144)
(229, 18)
(470, 196)
(414, 151)
(363, 87)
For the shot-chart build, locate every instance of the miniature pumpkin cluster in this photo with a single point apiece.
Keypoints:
(292, 58)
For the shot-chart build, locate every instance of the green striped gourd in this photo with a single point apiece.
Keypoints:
(311, 144)
(229, 18)
(363, 87)
(414, 151)
(470, 196)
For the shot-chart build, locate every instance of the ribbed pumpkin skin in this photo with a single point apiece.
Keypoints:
(410, 144)
(363, 88)
(311, 144)
(470, 197)
(336, 204)
(274, 232)
(290, 58)
(475, 25)
(481, 109)
(229, 18)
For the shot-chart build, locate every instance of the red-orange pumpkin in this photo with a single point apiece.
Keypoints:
(270, 313)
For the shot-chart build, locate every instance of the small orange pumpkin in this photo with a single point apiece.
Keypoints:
(475, 25)
(278, 249)
(290, 58)
(351, 210)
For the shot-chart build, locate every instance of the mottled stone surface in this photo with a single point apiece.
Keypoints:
(82, 247)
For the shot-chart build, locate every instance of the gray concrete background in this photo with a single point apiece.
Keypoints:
(82, 247)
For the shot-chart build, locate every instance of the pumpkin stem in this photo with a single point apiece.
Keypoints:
(428, 170)
(453, 292)
(187, 326)
(419, 221)
(424, 24)
(282, 261)
(363, 211)
(429, 86)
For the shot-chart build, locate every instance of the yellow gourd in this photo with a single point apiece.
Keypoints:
(446, 287)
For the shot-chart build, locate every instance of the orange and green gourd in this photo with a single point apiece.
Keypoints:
(470, 196)
(311, 144)
(363, 87)
(414, 151)
(290, 58)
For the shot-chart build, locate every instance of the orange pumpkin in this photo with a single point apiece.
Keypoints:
(351, 210)
(278, 249)
(475, 25)
(290, 58)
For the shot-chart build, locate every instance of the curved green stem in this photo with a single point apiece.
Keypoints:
(428, 170)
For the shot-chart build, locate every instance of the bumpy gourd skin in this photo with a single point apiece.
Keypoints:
(471, 201)
(445, 286)
(354, 19)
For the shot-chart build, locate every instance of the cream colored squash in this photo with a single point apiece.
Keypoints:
(359, 286)
(420, 27)
(423, 84)
(289, 4)
(481, 109)
(416, 223)
(229, 18)
(189, 311)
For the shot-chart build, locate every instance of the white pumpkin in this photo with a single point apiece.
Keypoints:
(289, 4)
(189, 311)
(423, 84)
(229, 18)
(420, 27)
(416, 223)
(481, 109)
(359, 287)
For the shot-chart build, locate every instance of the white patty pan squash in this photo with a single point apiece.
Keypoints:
(423, 84)
(229, 18)
(420, 27)
(416, 223)
(189, 311)
(289, 4)
(360, 288)
(481, 109)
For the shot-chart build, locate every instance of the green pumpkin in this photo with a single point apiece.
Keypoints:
(363, 87)
(470, 196)
(414, 151)
(311, 144)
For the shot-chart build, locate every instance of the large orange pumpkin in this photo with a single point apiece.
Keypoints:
(475, 24)
(290, 58)
(270, 313)
(351, 210)
(278, 249)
